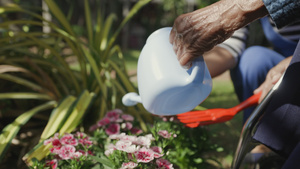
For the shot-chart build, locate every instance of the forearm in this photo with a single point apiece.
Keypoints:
(218, 60)
(197, 32)
(239, 13)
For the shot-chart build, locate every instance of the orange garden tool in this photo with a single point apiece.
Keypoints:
(197, 118)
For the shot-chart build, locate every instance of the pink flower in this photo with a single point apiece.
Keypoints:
(129, 165)
(157, 151)
(164, 164)
(136, 131)
(67, 152)
(77, 154)
(129, 125)
(55, 150)
(85, 142)
(103, 122)
(48, 141)
(93, 127)
(127, 117)
(85, 153)
(114, 115)
(68, 139)
(113, 129)
(144, 155)
(56, 143)
(80, 135)
(52, 163)
(164, 133)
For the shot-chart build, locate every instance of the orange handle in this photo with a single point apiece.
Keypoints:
(251, 101)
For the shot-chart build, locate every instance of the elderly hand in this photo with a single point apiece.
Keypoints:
(199, 31)
(272, 77)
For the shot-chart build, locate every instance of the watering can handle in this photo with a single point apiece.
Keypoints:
(197, 70)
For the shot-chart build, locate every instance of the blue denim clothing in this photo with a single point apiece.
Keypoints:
(283, 12)
(256, 61)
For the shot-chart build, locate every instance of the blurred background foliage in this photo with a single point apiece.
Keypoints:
(81, 46)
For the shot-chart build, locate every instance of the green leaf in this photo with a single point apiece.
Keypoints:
(11, 130)
(132, 12)
(103, 160)
(58, 116)
(96, 71)
(77, 111)
(38, 152)
(105, 32)
(25, 96)
(88, 20)
(60, 16)
(21, 81)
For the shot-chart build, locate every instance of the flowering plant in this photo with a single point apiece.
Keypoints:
(125, 147)
(68, 151)
(116, 142)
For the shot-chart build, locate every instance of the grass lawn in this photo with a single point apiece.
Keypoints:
(225, 135)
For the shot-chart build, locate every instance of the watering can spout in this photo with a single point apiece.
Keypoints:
(131, 99)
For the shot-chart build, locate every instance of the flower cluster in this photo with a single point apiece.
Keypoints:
(138, 150)
(115, 122)
(68, 147)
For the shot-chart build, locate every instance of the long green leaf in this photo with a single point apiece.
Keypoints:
(60, 59)
(132, 12)
(88, 20)
(11, 130)
(98, 31)
(79, 109)
(95, 69)
(22, 81)
(105, 32)
(20, 22)
(38, 152)
(58, 115)
(60, 16)
(103, 160)
(25, 96)
(124, 78)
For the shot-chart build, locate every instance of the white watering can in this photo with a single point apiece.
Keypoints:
(165, 87)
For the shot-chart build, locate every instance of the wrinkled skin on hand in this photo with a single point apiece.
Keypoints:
(199, 31)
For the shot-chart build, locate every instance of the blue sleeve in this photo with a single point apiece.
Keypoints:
(283, 12)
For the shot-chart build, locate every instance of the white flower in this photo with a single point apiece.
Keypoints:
(129, 165)
(108, 152)
(150, 136)
(117, 136)
(126, 146)
(128, 138)
(144, 141)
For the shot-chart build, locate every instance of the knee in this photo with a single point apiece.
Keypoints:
(256, 59)
(255, 63)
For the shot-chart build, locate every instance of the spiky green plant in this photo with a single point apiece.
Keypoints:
(35, 62)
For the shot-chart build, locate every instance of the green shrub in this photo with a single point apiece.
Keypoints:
(35, 70)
